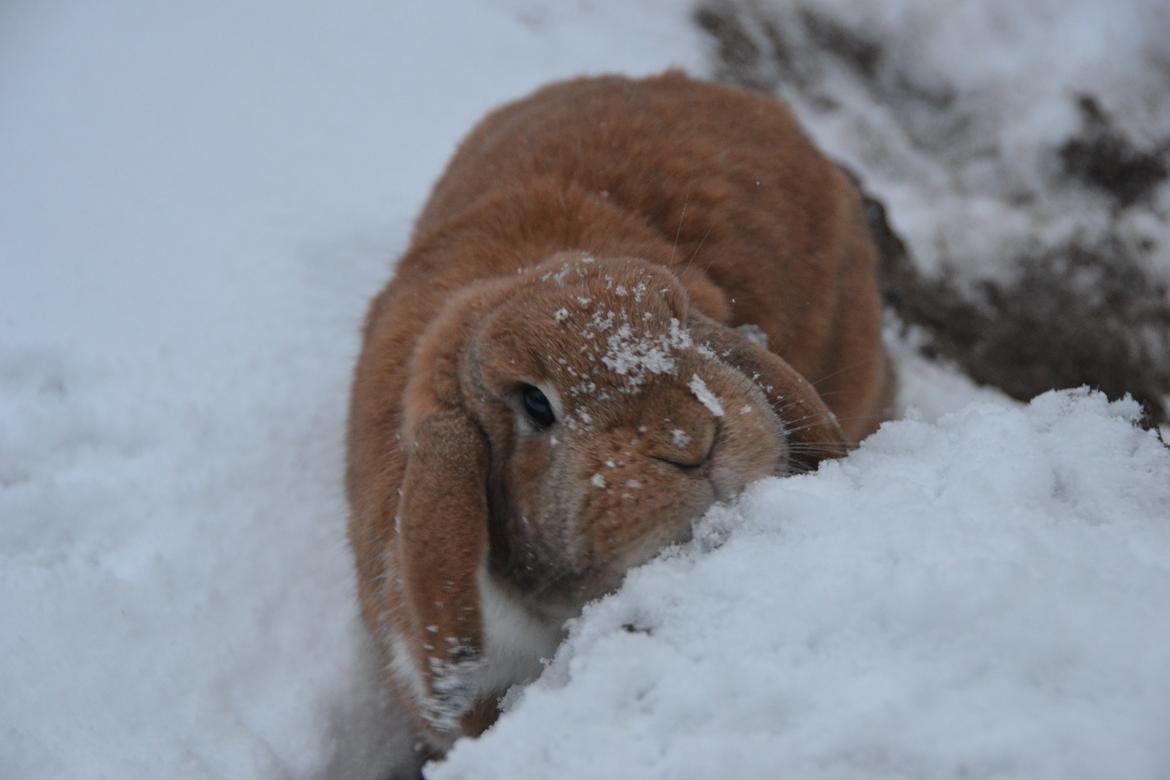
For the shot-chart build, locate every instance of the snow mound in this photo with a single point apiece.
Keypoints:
(979, 597)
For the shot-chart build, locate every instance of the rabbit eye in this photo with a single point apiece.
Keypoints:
(537, 406)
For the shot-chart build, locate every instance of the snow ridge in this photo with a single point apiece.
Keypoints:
(952, 599)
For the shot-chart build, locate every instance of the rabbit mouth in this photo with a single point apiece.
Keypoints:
(575, 589)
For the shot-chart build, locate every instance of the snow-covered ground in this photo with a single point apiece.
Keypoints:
(197, 201)
(979, 597)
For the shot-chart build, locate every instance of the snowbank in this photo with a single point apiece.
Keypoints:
(981, 597)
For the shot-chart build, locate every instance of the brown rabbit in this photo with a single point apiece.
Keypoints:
(567, 369)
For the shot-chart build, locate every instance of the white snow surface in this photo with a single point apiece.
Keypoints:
(980, 597)
(708, 399)
(197, 202)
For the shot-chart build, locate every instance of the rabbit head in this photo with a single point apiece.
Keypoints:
(562, 426)
(615, 414)
(590, 414)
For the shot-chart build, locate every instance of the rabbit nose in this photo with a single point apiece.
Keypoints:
(685, 446)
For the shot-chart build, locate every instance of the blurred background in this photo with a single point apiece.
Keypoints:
(1020, 151)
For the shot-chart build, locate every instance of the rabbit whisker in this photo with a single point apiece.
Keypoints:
(699, 248)
(838, 372)
(682, 218)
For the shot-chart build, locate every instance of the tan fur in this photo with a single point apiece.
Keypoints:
(677, 209)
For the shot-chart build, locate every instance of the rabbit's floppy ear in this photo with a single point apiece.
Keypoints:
(442, 532)
(813, 432)
(442, 544)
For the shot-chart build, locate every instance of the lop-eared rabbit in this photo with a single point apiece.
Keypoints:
(624, 301)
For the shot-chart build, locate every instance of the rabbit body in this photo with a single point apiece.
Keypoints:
(568, 367)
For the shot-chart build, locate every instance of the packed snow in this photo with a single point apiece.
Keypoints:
(197, 203)
(980, 597)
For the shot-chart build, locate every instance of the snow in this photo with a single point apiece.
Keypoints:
(197, 203)
(634, 356)
(983, 596)
(705, 396)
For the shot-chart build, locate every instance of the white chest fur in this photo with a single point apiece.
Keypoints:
(516, 639)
